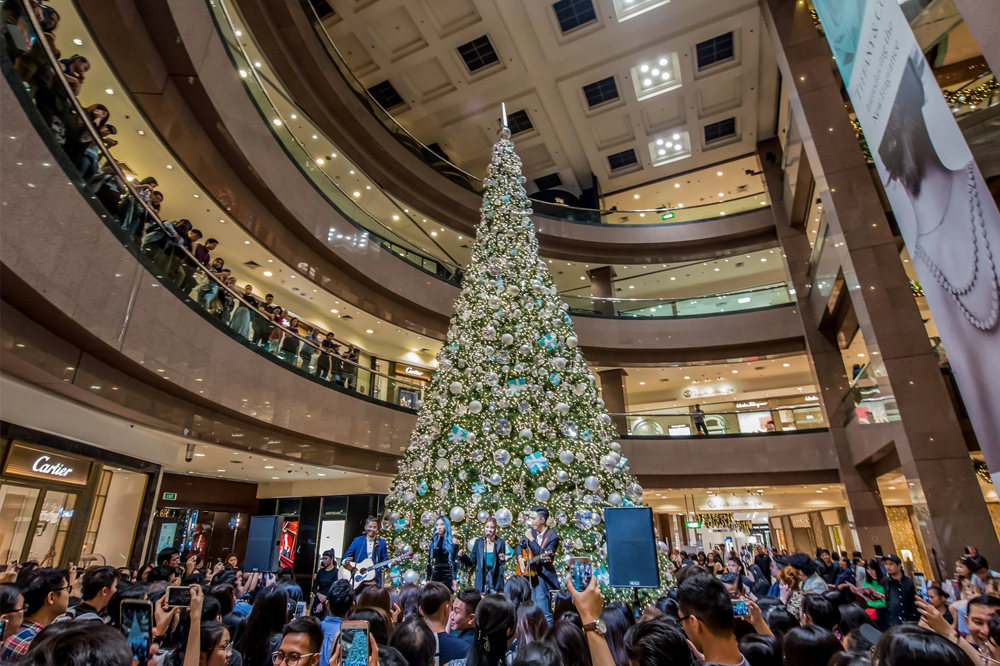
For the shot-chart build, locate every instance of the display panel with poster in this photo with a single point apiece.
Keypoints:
(943, 207)
(289, 535)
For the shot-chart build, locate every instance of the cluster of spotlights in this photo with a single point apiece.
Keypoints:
(654, 74)
(674, 143)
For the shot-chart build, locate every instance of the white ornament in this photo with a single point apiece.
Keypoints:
(562, 408)
(562, 476)
(495, 479)
(475, 407)
(572, 342)
(566, 457)
(600, 403)
(592, 483)
(615, 499)
(411, 576)
(616, 446)
(504, 517)
(427, 518)
(457, 514)
(526, 433)
(507, 339)
(442, 464)
(541, 494)
(456, 387)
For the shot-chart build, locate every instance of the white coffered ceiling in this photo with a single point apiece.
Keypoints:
(413, 44)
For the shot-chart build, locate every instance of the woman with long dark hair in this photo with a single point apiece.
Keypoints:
(496, 622)
(531, 624)
(263, 630)
(487, 558)
(518, 590)
(873, 580)
(442, 554)
(614, 635)
(569, 641)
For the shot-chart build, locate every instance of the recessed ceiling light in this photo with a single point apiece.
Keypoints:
(356, 193)
(110, 91)
(268, 273)
(274, 477)
(661, 151)
(677, 184)
(334, 311)
(268, 466)
(320, 161)
(686, 377)
(861, 355)
(665, 76)
(246, 242)
(663, 62)
(321, 474)
(763, 259)
(655, 72)
(736, 372)
(199, 455)
(721, 194)
(277, 122)
(220, 470)
(369, 331)
(78, 41)
(644, 69)
(395, 217)
(786, 365)
(647, 82)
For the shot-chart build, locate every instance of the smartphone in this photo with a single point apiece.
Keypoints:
(921, 584)
(3, 629)
(178, 595)
(581, 572)
(354, 643)
(300, 609)
(740, 608)
(137, 626)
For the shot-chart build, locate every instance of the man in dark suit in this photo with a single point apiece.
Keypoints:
(365, 547)
(541, 540)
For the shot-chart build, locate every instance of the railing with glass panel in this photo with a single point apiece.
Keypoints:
(741, 300)
(72, 132)
(869, 398)
(749, 422)
(225, 14)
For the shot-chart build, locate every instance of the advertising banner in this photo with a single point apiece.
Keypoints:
(944, 210)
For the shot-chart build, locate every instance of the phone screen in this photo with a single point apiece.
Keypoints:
(581, 570)
(178, 596)
(3, 630)
(137, 626)
(353, 646)
(300, 609)
(921, 583)
(740, 609)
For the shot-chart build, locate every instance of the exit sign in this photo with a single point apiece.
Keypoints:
(169, 496)
(693, 524)
(666, 216)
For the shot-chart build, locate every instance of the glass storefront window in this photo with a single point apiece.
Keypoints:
(52, 526)
(113, 518)
(17, 507)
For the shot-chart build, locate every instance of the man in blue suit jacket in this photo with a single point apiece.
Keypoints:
(368, 546)
(541, 540)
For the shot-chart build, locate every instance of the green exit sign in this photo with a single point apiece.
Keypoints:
(692, 523)
(169, 496)
(666, 216)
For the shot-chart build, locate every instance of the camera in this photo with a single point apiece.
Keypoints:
(189, 453)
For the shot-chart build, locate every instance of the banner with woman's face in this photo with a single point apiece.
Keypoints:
(944, 210)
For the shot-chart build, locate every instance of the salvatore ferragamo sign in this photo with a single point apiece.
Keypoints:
(38, 463)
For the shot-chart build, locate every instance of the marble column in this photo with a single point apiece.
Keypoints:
(602, 285)
(615, 397)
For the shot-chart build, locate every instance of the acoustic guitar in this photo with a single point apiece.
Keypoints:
(364, 571)
(527, 563)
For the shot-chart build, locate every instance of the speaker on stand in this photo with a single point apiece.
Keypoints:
(631, 541)
(263, 544)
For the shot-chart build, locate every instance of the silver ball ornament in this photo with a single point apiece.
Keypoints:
(566, 457)
(615, 499)
(504, 517)
(411, 576)
(592, 483)
(457, 514)
(475, 407)
(541, 494)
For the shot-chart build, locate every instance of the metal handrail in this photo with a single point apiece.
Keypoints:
(361, 89)
(124, 180)
(676, 299)
(252, 71)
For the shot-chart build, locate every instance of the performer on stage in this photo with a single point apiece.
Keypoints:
(442, 554)
(542, 541)
(487, 557)
(368, 546)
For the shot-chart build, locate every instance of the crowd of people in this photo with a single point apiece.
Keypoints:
(744, 609)
(176, 248)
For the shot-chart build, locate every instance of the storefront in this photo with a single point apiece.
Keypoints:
(201, 516)
(63, 501)
(411, 381)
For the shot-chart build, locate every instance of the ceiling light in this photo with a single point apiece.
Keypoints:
(861, 355)
(736, 372)
(677, 137)
(434, 233)
(677, 184)
(678, 147)
(716, 269)
(663, 62)
(673, 278)
(274, 477)
(763, 259)
(334, 311)
(369, 331)
(321, 474)
(199, 455)
(268, 466)
(238, 33)
(680, 205)
(644, 69)
(661, 152)
(786, 365)
(665, 76)
(642, 383)
(395, 217)
(659, 142)
(647, 82)
(294, 116)
(356, 193)
(141, 133)
(635, 196)
(246, 242)
(220, 470)
(277, 122)
(687, 377)
(110, 91)
(268, 273)
(655, 72)
(670, 144)
(320, 161)
(78, 41)
(170, 166)
(718, 173)
(243, 73)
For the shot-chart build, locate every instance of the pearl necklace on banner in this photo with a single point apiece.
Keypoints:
(978, 223)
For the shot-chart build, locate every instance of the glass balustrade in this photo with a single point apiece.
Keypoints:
(546, 209)
(698, 306)
(282, 121)
(869, 398)
(750, 422)
(30, 66)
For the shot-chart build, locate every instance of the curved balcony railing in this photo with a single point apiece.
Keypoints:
(30, 65)
(281, 124)
(777, 420)
(756, 298)
(561, 212)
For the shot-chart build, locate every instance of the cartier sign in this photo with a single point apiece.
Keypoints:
(38, 463)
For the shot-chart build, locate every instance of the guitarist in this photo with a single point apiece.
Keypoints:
(368, 546)
(541, 540)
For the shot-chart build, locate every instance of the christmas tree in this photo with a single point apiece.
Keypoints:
(512, 417)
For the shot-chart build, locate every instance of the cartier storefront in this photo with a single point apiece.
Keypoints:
(63, 501)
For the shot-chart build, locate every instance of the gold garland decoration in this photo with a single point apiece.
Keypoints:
(972, 96)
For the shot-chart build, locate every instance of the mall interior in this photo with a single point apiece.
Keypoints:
(708, 196)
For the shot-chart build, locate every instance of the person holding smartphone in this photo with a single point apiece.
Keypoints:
(488, 556)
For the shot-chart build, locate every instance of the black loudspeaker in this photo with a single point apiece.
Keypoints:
(263, 543)
(631, 543)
